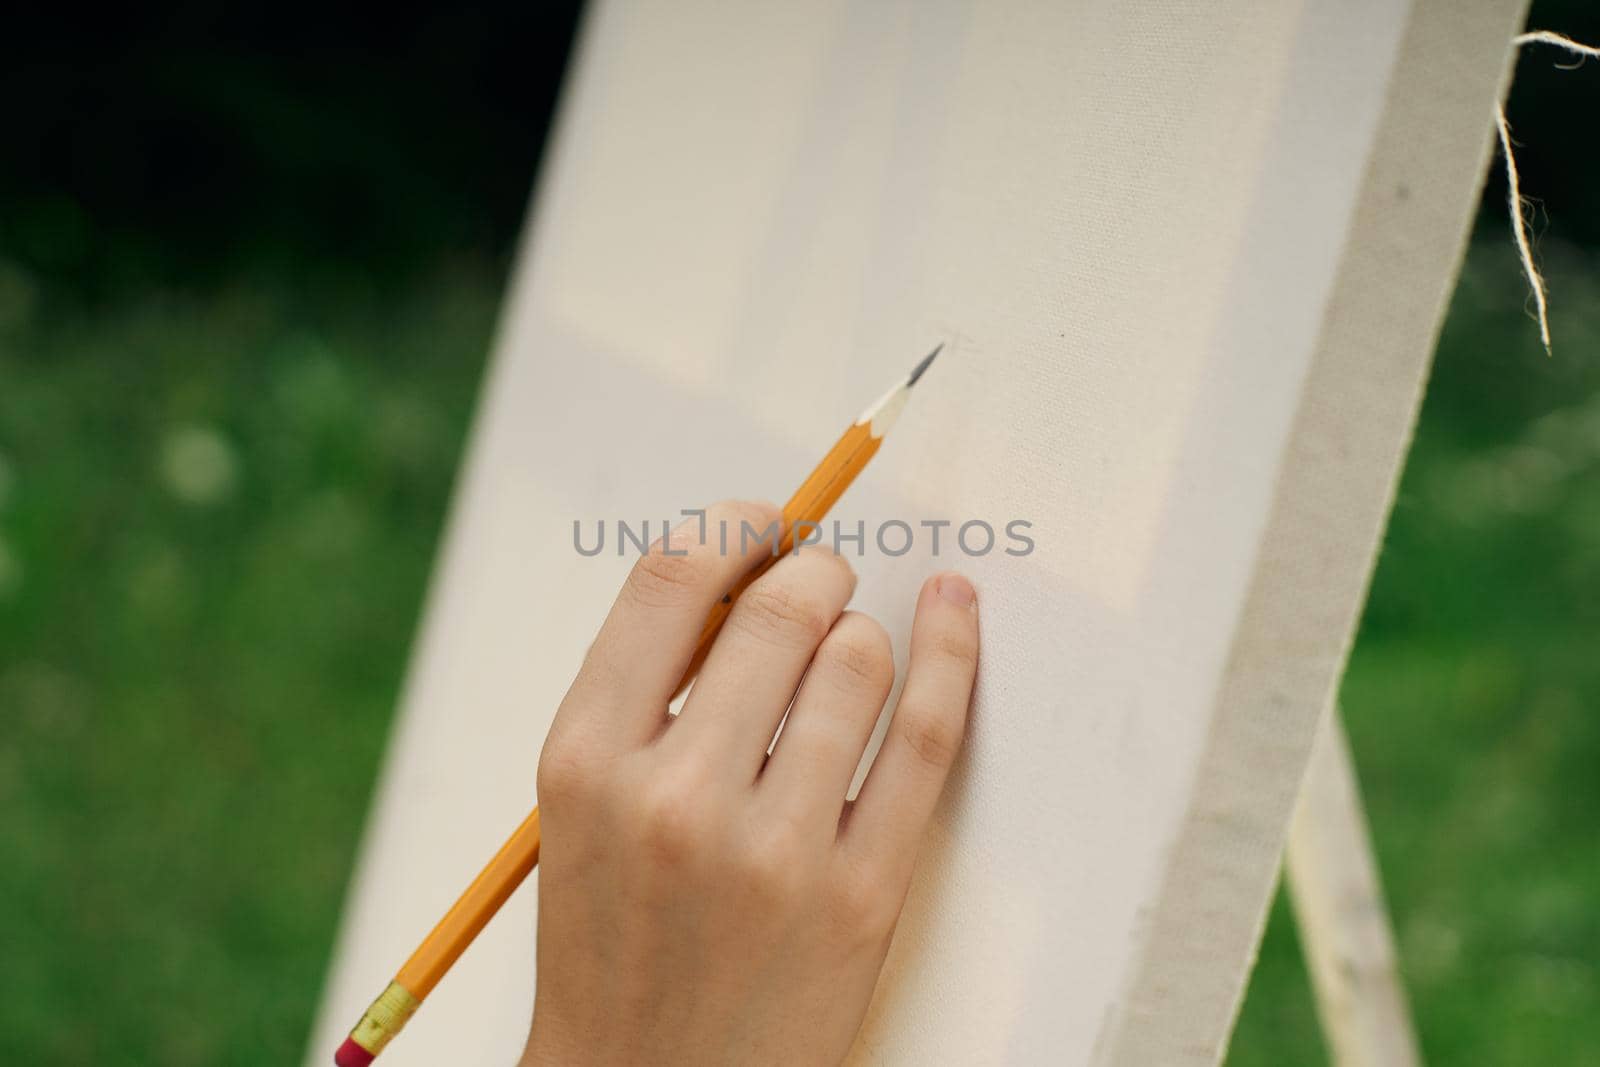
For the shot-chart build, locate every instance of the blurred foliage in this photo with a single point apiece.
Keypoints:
(217, 516)
(249, 265)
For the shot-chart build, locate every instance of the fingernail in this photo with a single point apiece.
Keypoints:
(957, 590)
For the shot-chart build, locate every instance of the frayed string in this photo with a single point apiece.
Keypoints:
(1519, 207)
(1519, 229)
(1560, 40)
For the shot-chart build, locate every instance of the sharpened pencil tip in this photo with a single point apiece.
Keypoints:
(917, 371)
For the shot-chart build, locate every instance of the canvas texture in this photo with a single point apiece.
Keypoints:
(1188, 261)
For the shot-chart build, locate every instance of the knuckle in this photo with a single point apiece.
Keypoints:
(933, 738)
(864, 907)
(564, 773)
(826, 555)
(777, 611)
(666, 824)
(957, 648)
(770, 869)
(860, 652)
(749, 527)
(659, 579)
(754, 512)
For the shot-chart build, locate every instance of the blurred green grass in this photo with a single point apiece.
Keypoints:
(217, 517)
(218, 509)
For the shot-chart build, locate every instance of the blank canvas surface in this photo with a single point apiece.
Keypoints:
(1187, 260)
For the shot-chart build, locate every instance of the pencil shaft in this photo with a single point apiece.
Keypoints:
(473, 910)
(518, 856)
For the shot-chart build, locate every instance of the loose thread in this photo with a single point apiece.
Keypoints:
(1519, 222)
(1519, 229)
(1560, 40)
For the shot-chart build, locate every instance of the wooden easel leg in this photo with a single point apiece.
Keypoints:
(1344, 926)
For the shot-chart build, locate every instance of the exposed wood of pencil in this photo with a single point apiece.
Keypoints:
(518, 856)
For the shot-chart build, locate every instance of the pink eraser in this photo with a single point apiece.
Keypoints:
(351, 1054)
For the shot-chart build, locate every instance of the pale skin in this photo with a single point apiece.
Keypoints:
(699, 902)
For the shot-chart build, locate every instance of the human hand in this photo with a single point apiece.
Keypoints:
(699, 902)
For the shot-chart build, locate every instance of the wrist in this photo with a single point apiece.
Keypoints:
(546, 1048)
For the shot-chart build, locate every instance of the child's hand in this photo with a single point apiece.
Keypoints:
(700, 903)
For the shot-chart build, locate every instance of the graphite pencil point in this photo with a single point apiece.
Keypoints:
(916, 372)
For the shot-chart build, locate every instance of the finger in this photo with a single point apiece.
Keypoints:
(890, 814)
(638, 657)
(831, 721)
(757, 661)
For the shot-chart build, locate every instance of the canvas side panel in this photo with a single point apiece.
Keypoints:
(1335, 489)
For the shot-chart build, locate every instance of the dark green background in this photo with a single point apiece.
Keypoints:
(249, 268)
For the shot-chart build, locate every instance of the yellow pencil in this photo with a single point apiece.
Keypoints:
(501, 876)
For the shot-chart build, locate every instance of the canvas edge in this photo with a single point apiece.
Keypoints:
(333, 1014)
(1336, 486)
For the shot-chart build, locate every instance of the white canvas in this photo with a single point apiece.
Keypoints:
(1187, 259)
